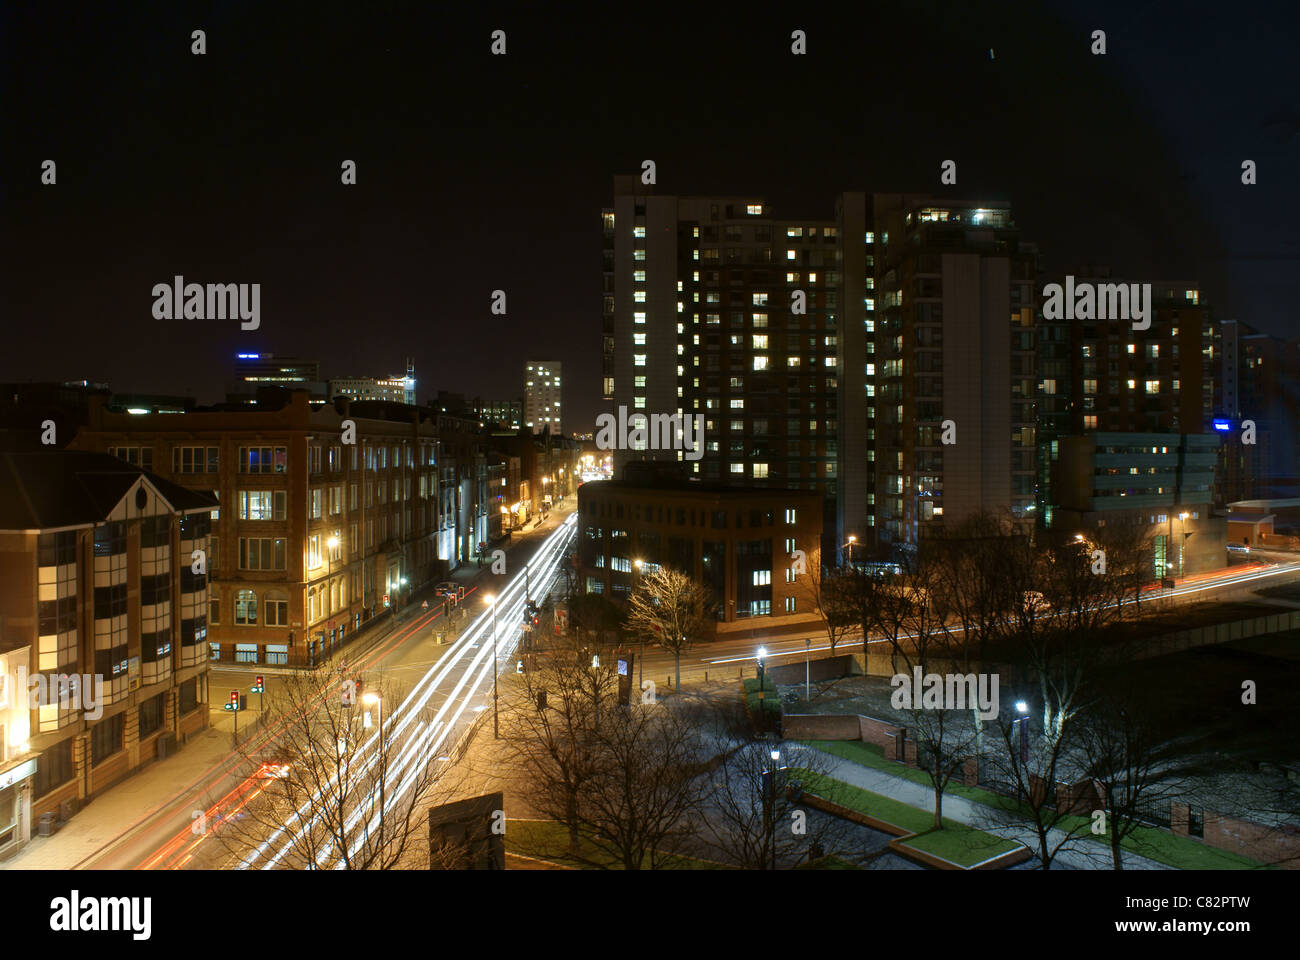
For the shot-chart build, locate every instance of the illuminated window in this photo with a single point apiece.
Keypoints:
(792, 361)
(737, 468)
(638, 296)
(754, 209)
(1090, 386)
(791, 255)
(638, 359)
(640, 254)
(1153, 386)
(760, 363)
(760, 341)
(737, 403)
(1132, 348)
(794, 231)
(1132, 384)
(638, 276)
(638, 232)
(638, 317)
(759, 299)
(1090, 422)
(638, 402)
(760, 471)
(638, 339)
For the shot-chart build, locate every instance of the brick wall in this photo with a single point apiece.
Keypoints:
(1280, 845)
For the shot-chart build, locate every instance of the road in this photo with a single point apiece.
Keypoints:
(727, 656)
(450, 679)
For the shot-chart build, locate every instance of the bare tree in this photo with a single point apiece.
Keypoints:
(831, 595)
(328, 790)
(1122, 756)
(669, 608)
(915, 613)
(621, 777)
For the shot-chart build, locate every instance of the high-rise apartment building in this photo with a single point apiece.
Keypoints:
(1100, 374)
(953, 360)
(1260, 389)
(542, 389)
(714, 307)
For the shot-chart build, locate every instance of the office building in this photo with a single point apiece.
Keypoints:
(254, 371)
(740, 543)
(313, 537)
(394, 389)
(98, 584)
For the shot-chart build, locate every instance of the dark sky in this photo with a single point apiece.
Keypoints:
(479, 172)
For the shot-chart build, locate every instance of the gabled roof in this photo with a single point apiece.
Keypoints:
(48, 490)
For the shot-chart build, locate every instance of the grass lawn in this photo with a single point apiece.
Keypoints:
(956, 841)
(1151, 842)
(549, 840)
(966, 847)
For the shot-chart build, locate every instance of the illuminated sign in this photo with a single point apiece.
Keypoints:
(1222, 425)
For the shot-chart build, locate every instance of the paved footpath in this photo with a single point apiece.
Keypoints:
(1081, 853)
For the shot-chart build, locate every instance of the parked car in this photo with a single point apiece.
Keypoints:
(1239, 548)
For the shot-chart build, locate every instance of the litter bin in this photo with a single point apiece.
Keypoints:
(45, 826)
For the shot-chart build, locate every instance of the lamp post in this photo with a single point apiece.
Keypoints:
(1022, 721)
(372, 700)
(640, 667)
(1183, 517)
(849, 543)
(496, 720)
(769, 801)
(807, 669)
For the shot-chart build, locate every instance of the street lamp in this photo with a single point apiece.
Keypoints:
(1022, 721)
(640, 676)
(762, 655)
(1183, 517)
(807, 670)
(769, 801)
(372, 700)
(491, 601)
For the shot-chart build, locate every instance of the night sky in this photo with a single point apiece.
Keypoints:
(478, 172)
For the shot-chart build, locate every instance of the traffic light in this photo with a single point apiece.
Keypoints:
(257, 685)
(234, 699)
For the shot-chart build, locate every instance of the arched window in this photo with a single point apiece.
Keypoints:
(246, 608)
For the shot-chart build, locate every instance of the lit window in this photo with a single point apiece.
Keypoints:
(1090, 422)
(737, 468)
(638, 339)
(638, 359)
(638, 317)
(638, 402)
(1132, 384)
(638, 232)
(760, 471)
(792, 361)
(760, 341)
(871, 237)
(639, 381)
(1132, 348)
(760, 363)
(1090, 386)
(794, 231)
(1153, 386)
(830, 361)
(638, 276)
(754, 209)
(791, 255)
(737, 403)
(638, 296)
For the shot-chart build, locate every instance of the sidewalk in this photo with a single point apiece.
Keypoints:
(127, 804)
(1081, 854)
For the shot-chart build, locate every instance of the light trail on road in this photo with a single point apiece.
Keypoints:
(474, 669)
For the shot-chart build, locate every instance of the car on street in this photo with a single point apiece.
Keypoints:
(1239, 548)
(449, 588)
